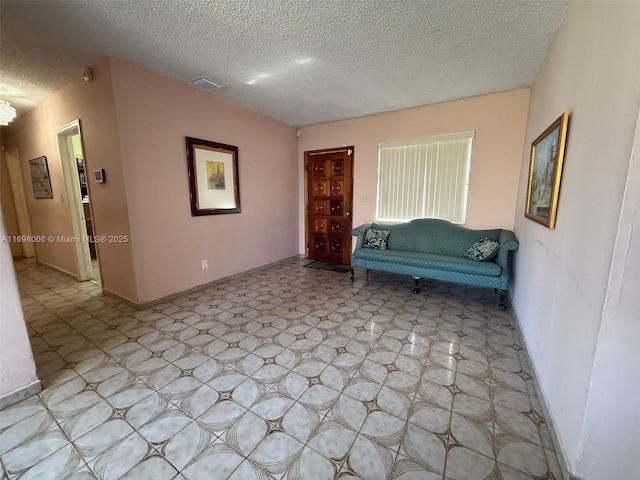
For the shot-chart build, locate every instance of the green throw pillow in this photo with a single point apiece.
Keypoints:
(485, 249)
(376, 239)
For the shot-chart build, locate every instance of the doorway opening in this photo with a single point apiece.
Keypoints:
(14, 171)
(74, 169)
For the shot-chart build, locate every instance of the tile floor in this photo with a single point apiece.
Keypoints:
(288, 372)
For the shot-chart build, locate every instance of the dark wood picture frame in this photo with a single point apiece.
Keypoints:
(40, 178)
(545, 170)
(214, 182)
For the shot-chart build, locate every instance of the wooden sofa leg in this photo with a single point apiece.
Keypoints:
(503, 297)
(416, 288)
(352, 272)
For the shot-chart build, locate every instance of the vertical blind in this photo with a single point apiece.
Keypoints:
(424, 178)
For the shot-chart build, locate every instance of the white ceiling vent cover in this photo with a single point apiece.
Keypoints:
(206, 83)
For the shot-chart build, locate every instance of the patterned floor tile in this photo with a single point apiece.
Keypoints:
(26, 429)
(129, 396)
(272, 406)
(18, 412)
(163, 425)
(153, 467)
(282, 373)
(63, 464)
(394, 402)
(75, 422)
(34, 449)
(222, 415)
(249, 471)
(368, 460)
(333, 440)
(216, 462)
(465, 464)
(111, 460)
(115, 384)
(384, 429)
(311, 465)
(187, 445)
(349, 412)
(58, 393)
(406, 469)
(277, 452)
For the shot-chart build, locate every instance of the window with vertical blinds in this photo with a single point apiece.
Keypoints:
(424, 178)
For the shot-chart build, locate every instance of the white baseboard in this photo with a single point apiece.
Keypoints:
(20, 394)
(546, 411)
(57, 269)
(157, 301)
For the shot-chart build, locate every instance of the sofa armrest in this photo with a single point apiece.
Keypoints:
(360, 232)
(508, 243)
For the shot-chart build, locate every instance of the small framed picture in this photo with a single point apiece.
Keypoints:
(40, 179)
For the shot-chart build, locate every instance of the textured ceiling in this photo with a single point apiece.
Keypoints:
(297, 61)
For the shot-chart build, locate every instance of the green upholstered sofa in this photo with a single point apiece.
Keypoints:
(433, 248)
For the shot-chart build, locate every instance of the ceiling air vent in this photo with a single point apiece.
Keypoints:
(206, 84)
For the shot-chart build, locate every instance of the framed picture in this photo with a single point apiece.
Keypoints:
(545, 169)
(213, 177)
(40, 179)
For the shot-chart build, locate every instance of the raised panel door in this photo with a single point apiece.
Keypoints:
(329, 200)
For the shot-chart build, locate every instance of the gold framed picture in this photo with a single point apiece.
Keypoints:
(545, 170)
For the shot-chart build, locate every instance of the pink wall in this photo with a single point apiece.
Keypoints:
(498, 120)
(591, 70)
(17, 367)
(8, 206)
(154, 116)
(34, 134)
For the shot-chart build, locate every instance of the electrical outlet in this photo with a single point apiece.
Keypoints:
(364, 198)
(205, 264)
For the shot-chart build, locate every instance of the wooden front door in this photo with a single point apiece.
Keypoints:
(329, 200)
